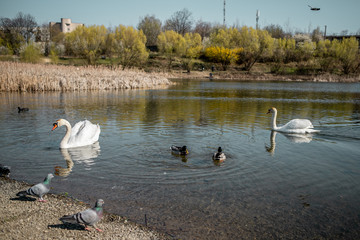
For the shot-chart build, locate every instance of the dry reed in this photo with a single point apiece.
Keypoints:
(27, 77)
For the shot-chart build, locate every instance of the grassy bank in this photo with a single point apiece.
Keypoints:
(27, 77)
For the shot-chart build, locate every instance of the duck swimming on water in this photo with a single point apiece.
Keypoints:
(179, 150)
(22, 109)
(219, 155)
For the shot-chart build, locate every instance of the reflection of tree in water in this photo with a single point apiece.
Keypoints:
(292, 137)
(84, 155)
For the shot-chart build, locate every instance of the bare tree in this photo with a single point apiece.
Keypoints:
(42, 35)
(203, 28)
(317, 35)
(344, 32)
(19, 29)
(24, 24)
(180, 22)
(275, 31)
(151, 27)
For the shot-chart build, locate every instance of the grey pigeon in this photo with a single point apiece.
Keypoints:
(89, 217)
(39, 189)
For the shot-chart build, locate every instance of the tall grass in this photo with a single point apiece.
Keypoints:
(27, 77)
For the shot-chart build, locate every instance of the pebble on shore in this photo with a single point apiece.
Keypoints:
(36, 220)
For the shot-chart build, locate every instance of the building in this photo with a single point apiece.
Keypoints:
(65, 26)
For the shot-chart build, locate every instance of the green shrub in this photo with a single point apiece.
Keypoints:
(54, 56)
(30, 54)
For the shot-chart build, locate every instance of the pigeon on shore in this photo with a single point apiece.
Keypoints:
(88, 217)
(39, 189)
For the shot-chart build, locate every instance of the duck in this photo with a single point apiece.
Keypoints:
(4, 170)
(294, 126)
(83, 133)
(22, 109)
(219, 155)
(179, 150)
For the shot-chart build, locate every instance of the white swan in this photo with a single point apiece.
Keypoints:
(294, 126)
(83, 133)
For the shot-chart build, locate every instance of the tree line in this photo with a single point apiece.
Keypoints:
(178, 41)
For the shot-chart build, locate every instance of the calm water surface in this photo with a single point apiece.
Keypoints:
(271, 185)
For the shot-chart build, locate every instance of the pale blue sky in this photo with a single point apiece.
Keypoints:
(290, 14)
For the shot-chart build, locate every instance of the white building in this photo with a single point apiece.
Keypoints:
(64, 26)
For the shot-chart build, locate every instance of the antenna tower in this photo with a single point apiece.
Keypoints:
(257, 18)
(224, 12)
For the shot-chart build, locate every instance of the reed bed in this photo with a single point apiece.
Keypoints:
(25, 77)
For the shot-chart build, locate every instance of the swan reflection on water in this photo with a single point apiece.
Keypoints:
(84, 155)
(292, 137)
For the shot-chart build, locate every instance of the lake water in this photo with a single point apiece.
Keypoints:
(272, 185)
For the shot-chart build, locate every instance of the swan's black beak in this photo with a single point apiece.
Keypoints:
(55, 125)
(268, 111)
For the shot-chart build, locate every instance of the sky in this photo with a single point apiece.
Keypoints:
(291, 15)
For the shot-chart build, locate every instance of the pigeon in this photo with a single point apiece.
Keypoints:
(219, 155)
(88, 217)
(22, 109)
(39, 189)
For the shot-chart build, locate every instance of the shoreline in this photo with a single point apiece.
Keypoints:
(26, 77)
(29, 219)
(256, 76)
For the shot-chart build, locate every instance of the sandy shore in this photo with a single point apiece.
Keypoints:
(30, 219)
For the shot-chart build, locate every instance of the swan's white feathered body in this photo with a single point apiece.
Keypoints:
(294, 126)
(83, 133)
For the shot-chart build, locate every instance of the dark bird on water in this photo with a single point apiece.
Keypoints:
(219, 155)
(22, 109)
(179, 150)
(4, 170)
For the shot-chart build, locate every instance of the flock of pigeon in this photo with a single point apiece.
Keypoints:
(88, 217)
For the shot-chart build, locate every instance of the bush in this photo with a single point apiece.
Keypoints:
(5, 51)
(30, 54)
(54, 56)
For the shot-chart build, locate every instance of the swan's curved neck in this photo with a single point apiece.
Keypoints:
(271, 149)
(273, 120)
(65, 140)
